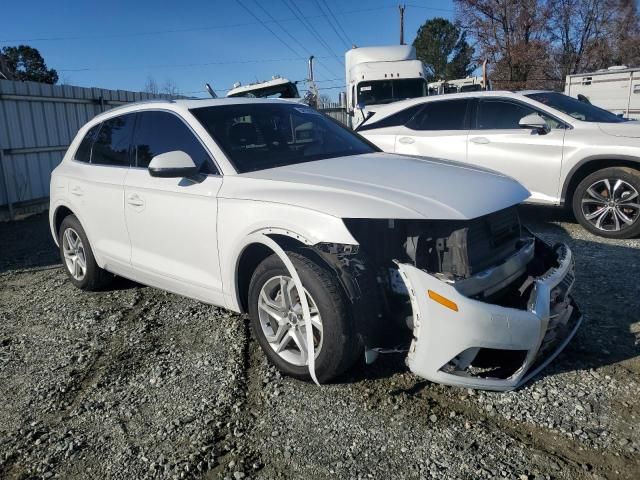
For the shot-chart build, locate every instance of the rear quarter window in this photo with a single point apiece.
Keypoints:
(394, 120)
(83, 153)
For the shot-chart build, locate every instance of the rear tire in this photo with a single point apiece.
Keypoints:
(77, 257)
(607, 202)
(336, 339)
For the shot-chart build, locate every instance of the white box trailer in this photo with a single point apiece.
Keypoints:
(616, 89)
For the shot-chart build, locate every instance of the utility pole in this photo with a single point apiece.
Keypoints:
(401, 8)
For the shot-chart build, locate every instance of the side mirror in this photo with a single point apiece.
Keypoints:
(175, 164)
(533, 121)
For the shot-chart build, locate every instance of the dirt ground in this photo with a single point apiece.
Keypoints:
(134, 382)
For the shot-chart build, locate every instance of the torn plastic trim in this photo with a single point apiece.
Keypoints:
(440, 334)
(264, 238)
(356, 274)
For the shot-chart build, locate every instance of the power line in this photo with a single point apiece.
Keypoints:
(346, 36)
(267, 27)
(346, 42)
(186, 65)
(430, 8)
(295, 40)
(291, 6)
(174, 30)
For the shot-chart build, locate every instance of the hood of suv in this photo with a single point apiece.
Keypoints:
(381, 185)
(623, 129)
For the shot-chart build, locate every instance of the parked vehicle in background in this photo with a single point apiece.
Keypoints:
(459, 85)
(332, 247)
(277, 87)
(381, 75)
(562, 150)
(616, 89)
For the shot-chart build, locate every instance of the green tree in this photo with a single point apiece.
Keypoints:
(25, 63)
(443, 48)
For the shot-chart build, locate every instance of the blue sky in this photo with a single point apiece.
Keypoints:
(120, 44)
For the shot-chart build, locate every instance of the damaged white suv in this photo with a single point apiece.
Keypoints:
(332, 247)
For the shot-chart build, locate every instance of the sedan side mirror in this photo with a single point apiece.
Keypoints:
(175, 164)
(533, 121)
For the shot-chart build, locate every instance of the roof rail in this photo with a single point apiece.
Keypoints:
(148, 100)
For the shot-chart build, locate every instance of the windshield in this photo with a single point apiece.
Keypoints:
(378, 92)
(257, 136)
(575, 108)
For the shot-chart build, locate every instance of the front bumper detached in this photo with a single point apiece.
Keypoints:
(449, 343)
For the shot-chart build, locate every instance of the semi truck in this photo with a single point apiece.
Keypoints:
(381, 75)
(616, 89)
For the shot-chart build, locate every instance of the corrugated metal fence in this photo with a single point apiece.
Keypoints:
(336, 111)
(37, 123)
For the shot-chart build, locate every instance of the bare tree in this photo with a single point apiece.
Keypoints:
(151, 86)
(170, 88)
(512, 35)
(536, 43)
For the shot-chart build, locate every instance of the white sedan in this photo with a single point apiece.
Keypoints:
(564, 151)
(333, 248)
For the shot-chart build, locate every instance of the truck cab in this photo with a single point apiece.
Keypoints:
(381, 75)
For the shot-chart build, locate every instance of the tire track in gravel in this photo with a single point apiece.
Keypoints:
(564, 451)
(105, 359)
(241, 416)
(74, 392)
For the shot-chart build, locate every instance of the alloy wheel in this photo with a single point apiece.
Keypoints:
(611, 204)
(74, 254)
(282, 322)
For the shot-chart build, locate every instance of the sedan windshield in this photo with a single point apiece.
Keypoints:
(575, 108)
(257, 136)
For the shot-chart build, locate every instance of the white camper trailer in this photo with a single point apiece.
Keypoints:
(459, 85)
(277, 87)
(616, 89)
(381, 75)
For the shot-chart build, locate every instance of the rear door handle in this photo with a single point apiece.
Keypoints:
(135, 200)
(480, 140)
(406, 140)
(77, 191)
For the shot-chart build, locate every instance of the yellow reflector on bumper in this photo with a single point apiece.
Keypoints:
(445, 302)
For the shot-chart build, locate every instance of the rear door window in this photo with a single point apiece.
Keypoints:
(502, 114)
(160, 132)
(441, 115)
(113, 141)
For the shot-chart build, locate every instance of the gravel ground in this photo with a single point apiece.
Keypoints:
(138, 383)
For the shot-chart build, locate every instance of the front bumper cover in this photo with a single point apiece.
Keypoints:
(444, 338)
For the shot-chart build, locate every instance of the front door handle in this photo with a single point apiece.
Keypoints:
(77, 191)
(406, 140)
(135, 200)
(480, 140)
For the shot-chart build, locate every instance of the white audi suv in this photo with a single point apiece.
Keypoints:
(333, 248)
(562, 150)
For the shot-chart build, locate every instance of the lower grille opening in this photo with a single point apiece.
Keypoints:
(486, 363)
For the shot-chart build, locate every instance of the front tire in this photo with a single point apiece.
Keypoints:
(276, 318)
(77, 257)
(607, 202)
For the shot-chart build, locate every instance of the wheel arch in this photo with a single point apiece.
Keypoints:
(590, 165)
(254, 252)
(59, 214)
